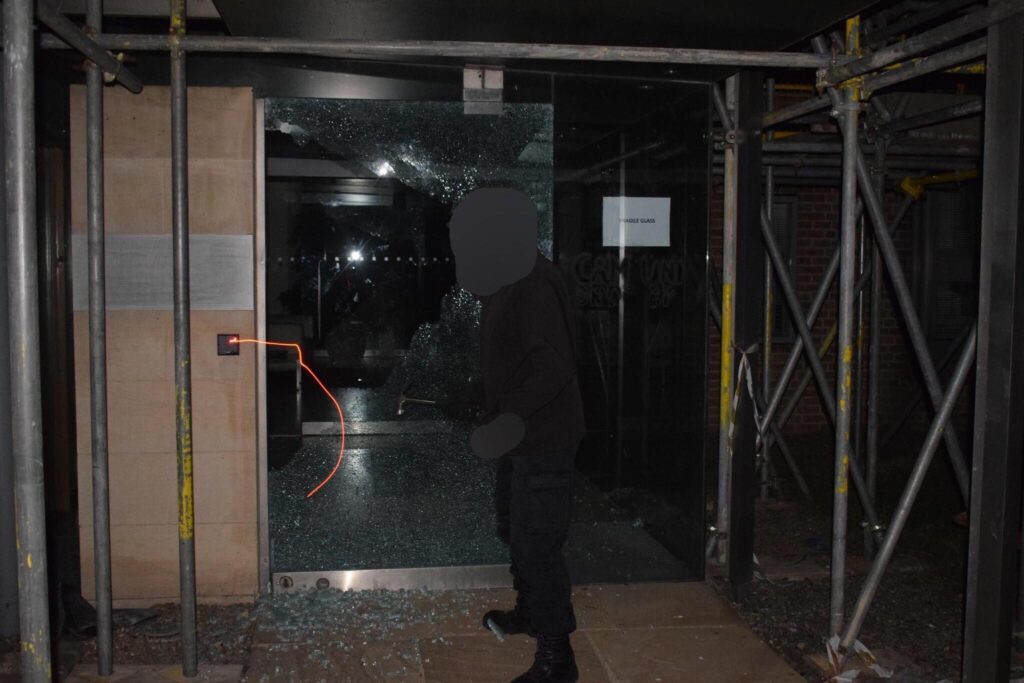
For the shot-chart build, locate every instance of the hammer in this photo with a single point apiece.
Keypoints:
(403, 399)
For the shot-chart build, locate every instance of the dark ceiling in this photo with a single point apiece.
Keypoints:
(722, 24)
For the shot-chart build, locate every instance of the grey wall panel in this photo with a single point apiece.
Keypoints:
(139, 272)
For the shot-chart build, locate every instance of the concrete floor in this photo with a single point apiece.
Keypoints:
(644, 632)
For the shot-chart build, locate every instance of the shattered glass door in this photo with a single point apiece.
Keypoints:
(360, 272)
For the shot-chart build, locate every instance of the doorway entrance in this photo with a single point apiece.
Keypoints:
(360, 273)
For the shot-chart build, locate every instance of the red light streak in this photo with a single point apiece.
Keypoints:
(341, 416)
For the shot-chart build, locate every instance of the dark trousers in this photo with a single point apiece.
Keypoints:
(533, 498)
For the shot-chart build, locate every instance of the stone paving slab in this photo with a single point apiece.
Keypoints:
(643, 633)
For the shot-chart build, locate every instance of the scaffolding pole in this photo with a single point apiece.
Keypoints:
(818, 371)
(81, 42)
(766, 358)
(789, 295)
(872, 83)
(23, 317)
(397, 49)
(957, 111)
(922, 42)
(794, 111)
(919, 395)
(98, 353)
(728, 320)
(182, 346)
(874, 354)
(849, 112)
(830, 337)
(904, 297)
(8, 546)
(905, 300)
(912, 149)
(939, 9)
(910, 491)
(926, 65)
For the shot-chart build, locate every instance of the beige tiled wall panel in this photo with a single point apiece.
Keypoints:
(140, 350)
(137, 167)
(145, 562)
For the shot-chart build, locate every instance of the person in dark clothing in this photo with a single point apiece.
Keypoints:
(533, 416)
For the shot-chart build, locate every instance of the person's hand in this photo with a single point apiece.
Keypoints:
(497, 437)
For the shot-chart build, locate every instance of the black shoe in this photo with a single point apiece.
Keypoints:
(553, 663)
(508, 622)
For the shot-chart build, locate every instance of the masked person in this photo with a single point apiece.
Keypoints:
(533, 413)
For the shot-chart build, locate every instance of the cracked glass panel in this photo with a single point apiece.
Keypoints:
(360, 272)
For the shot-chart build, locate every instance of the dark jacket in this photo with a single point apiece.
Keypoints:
(528, 360)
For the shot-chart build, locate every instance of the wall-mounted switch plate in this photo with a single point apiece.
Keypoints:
(227, 345)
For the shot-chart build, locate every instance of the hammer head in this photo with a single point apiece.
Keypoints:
(402, 398)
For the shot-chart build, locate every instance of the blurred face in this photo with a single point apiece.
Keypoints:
(494, 239)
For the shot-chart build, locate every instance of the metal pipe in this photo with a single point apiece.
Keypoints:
(794, 111)
(375, 49)
(921, 163)
(74, 37)
(830, 337)
(904, 298)
(922, 42)
(844, 394)
(182, 346)
(926, 149)
(930, 165)
(794, 468)
(793, 303)
(910, 405)
(957, 111)
(794, 174)
(98, 353)
(23, 319)
(8, 545)
(789, 294)
(906, 304)
(812, 315)
(805, 380)
(874, 355)
(926, 65)
(901, 106)
(766, 358)
(934, 12)
(798, 345)
(910, 491)
(858, 344)
(726, 359)
(881, 109)
(723, 111)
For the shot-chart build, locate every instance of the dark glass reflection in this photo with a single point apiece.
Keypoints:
(642, 309)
